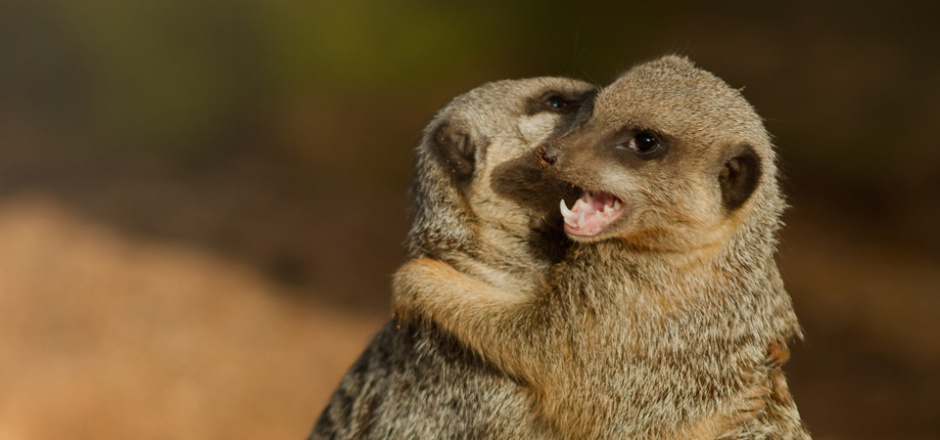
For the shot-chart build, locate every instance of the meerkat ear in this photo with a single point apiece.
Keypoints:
(454, 149)
(739, 177)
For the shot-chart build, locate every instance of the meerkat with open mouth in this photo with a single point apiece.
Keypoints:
(669, 307)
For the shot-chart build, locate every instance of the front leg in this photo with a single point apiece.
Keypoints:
(510, 330)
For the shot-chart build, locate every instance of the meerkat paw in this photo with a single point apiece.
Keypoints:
(411, 282)
(420, 284)
(752, 403)
(427, 270)
(777, 355)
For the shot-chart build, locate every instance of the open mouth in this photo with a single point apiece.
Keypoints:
(591, 214)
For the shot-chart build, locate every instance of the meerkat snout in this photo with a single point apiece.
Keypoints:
(546, 156)
(592, 211)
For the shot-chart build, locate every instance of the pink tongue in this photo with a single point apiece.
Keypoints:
(600, 200)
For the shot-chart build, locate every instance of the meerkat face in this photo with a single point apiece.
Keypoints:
(485, 142)
(668, 159)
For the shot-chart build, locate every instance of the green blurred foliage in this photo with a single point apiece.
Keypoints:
(182, 75)
(345, 86)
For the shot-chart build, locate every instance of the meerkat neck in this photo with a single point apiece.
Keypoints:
(740, 278)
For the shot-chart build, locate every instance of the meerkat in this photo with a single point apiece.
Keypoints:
(669, 304)
(481, 204)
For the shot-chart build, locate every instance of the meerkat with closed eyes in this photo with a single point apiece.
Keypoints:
(668, 306)
(481, 204)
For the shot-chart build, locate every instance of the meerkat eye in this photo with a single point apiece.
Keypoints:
(553, 101)
(644, 142)
(556, 102)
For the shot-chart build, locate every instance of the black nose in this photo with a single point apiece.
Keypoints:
(546, 156)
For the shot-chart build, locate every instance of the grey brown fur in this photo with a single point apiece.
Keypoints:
(481, 204)
(670, 315)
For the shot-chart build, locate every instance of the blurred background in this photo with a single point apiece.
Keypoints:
(201, 202)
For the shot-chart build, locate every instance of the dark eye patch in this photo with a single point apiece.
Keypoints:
(643, 143)
(555, 101)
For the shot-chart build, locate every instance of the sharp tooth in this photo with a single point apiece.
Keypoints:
(581, 221)
(580, 204)
(564, 209)
(607, 210)
(570, 222)
(616, 204)
(588, 198)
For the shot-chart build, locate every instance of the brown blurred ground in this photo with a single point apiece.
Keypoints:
(201, 206)
(106, 336)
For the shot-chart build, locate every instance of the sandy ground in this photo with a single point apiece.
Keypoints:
(107, 337)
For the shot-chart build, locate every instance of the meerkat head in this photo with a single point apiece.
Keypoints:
(670, 158)
(476, 171)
